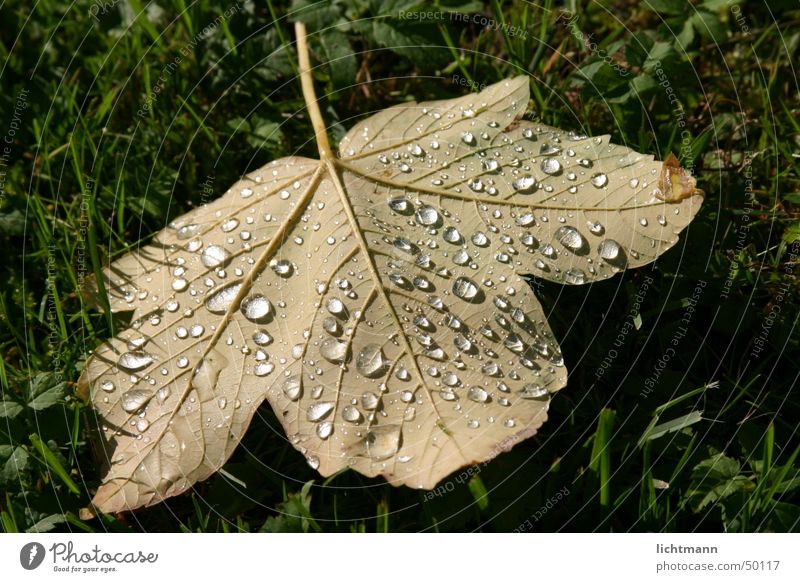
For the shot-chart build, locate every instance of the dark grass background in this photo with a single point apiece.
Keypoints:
(681, 412)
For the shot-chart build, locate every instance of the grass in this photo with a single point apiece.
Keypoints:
(122, 116)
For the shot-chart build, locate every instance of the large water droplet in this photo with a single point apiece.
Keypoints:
(570, 238)
(609, 249)
(599, 180)
(369, 400)
(524, 185)
(550, 166)
(333, 350)
(480, 239)
(319, 410)
(221, 300)
(134, 400)
(427, 215)
(382, 442)
(134, 361)
(214, 256)
(452, 235)
(351, 414)
(465, 288)
(534, 392)
(477, 394)
(292, 387)
(371, 361)
(282, 268)
(256, 308)
(574, 276)
(324, 429)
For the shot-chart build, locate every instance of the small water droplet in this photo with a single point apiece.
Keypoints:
(292, 387)
(468, 138)
(452, 235)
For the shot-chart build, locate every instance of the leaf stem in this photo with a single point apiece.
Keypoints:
(312, 104)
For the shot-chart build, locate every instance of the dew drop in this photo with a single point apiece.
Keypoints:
(135, 399)
(599, 180)
(333, 350)
(221, 300)
(256, 308)
(292, 388)
(465, 288)
(318, 411)
(134, 361)
(477, 394)
(214, 256)
(371, 361)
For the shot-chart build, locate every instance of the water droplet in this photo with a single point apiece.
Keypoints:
(324, 429)
(335, 306)
(369, 400)
(550, 166)
(599, 180)
(427, 215)
(452, 235)
(595, 228)
(371, 361)
(473, 423)
(570, 238)
(402, 374)
(634, 182)
(643, 221)
(477, 394)
(134, 361)
(351, 414)
(461, 257)
(450, 379)
(475, 185)
(405, 245)
(490, 165)
(585, 163)
(462, 343)
(416, 150)
(142, 424)
(333, 350)
(134, 400)
(292, 387)
(400, 205)
(313, 462)
(662, 220)
(609, 249)
(221, 300)
(465, 288)
(382, 442)
(574, 276)
(533, 392)
(263, 369)
(229, 225)
(480, 239)
(262, 338)
(214, 256)
(256, 308)
(319, 410)
(468, 138)
(179, 284)
(282, 268)
(509, 423)
(524, 185)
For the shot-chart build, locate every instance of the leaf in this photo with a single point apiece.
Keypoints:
(46, 389)
(14, 466)
(374, 298)
(294, 514)
(9, 409)
(655, 431)
(715, 479)
(47, 523)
